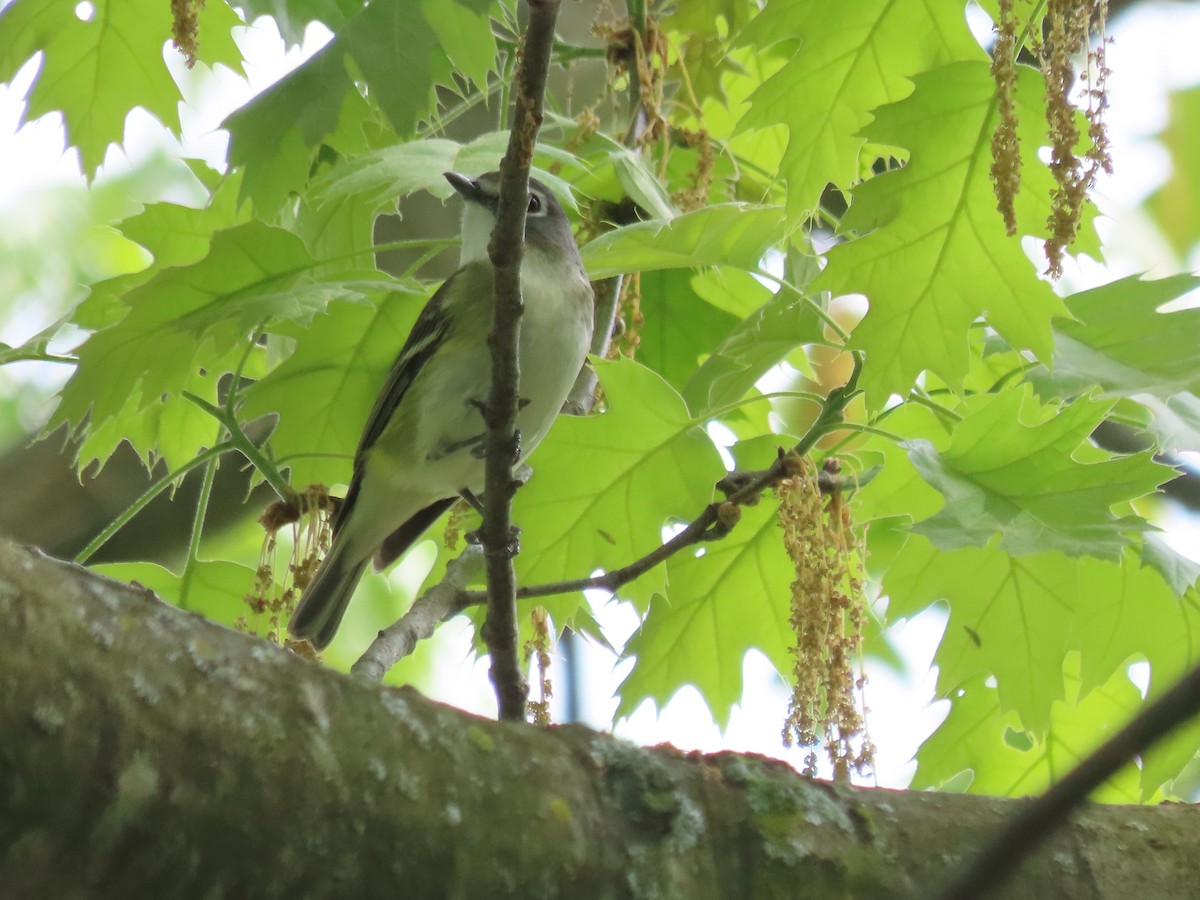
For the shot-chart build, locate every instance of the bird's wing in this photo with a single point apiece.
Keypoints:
(428, 334)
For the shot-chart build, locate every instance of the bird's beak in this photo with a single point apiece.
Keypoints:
(468, 187)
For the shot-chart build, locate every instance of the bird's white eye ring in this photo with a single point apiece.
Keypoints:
(535, 203)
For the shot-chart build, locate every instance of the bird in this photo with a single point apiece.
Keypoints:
(424, 442)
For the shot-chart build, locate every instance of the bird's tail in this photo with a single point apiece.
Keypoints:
(324, 601)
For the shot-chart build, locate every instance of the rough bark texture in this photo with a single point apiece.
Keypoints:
(145, 752)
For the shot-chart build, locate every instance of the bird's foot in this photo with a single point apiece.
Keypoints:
(510, 548)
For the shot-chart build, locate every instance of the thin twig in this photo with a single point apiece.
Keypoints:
(443, 601)
(500, 412)
(717, 519)
(1029, 829)
(241, 442)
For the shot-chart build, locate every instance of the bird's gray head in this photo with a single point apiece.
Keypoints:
(547, 230)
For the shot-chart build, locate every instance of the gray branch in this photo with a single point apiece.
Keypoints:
(146, 752)
(440, 602)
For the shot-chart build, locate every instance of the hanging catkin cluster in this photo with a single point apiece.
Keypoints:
(827, 616)
(1071, 28)
(185, 28)
(309, 514)
(539, 648)
(627, 335)
(1006, 147)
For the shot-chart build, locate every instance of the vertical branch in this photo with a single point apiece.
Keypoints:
(500, 412)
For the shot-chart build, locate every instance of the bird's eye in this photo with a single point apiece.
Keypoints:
(535, 203)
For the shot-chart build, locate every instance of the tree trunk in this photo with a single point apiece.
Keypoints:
(145, 752)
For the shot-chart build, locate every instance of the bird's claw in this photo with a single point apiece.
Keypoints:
(511, 547)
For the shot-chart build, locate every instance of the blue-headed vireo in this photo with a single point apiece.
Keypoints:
(424, 441)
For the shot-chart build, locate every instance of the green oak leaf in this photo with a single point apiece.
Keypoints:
(173, 235)
(271, 138)
(1001, 758)
(174, 431)
(1171, 657)
(1164, 762)
(1120, 341)
(1011, 617)
(1178, 571)
(897, 489)
(323, 391)
(932, 255)
(703, 16)
(95, 71)
(1017, 469)
(253, 274)
(1129, 612)
(342, 231)
(604, 486)
(751, 349)
(699, 33)
(735, 291)
(838, 73)
(293, 16)
(729, 600)
(274, 134)
(641, 185)
(1175, 422)
(387, 173)
(217, 588)
(732, 234)
(680, 326)
(153, 348)
(757, 152)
